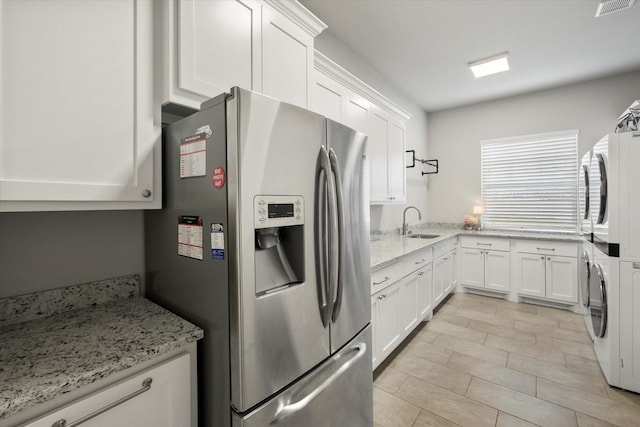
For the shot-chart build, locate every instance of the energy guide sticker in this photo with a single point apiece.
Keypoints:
(217, 241)
(193, 155)
(190, 236)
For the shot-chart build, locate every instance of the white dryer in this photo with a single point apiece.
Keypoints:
(604, 310)
(585, 227)
(584, 266)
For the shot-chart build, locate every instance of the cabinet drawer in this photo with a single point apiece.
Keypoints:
(492, 243)
(416, 261)
(386, 276)
(543, 247)
(444, 247)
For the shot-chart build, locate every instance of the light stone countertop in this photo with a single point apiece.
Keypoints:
(390, 248)
(45, 357)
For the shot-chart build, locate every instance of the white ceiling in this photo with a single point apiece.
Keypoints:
(422, 47)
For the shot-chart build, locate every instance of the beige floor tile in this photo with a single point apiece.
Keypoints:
(526, 349)
(520, 405)
(493, 319)
(584, 365)
(585, 420)
(426, 335)
(516, 335)
(566, 334)
(389, 379)
(448, 405)
(390, 411)
(623, 396)
(560, 314)
(429, 419)
(506, 377)
(432, 352)
(523, 307)
(490, 354)
(511, 313)
(582, 350)
(615, 412)
(456, 331)
(454, 319)
(506, 420)
(434, 373)
(448, 308)
(556, 373)
(574, 326)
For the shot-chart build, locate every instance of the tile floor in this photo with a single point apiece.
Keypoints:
(484, 361)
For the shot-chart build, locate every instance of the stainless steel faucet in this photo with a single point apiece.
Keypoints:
(404, 218)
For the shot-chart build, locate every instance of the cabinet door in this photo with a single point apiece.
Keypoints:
(218, 47)
(408, 303)
(497, 272)
(378, 154)
(472, 267)
(449, 273)
(562, 278)
(389, 331)
(424, 292)
(77, 115)
(530, 274)
(375, 342)
(327, 97)
(630, 325)
(356, 113)
(166, 403)
(439, 275)
(396, 163)
(287, 58)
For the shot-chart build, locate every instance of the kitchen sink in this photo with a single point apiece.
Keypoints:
(423, 236)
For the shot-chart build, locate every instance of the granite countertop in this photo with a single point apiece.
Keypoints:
(52, 354)
(387, 249)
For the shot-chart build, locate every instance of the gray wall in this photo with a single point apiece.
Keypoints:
(46, 250)
(454, 135)
(386, 217)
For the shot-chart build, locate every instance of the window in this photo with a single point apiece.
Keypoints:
(530, 182)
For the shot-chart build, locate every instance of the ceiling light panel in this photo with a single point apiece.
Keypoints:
(488, 66)
(610, 6)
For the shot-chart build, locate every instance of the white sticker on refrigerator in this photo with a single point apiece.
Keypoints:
(193, 155)
(190, 236)
(217, 241)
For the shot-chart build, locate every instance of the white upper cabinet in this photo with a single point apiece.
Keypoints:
(341, 96)
(208, 47)
(77, 124)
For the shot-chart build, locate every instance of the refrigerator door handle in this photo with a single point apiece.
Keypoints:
(288, 410)
(327, 289)
(337, 301)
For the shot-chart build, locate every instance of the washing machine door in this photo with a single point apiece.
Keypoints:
(598, 300)
(585, 275)
(583, 192)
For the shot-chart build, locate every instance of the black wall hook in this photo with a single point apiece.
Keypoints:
(431, 162)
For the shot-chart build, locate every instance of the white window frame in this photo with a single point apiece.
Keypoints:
(513, 194)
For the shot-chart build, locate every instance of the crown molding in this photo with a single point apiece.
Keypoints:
(295, 11)
(326, 66)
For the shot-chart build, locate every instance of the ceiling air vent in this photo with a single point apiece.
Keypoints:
(610, 6)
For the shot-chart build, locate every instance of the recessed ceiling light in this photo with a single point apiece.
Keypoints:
(485, 67)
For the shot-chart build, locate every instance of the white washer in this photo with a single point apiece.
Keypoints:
(604, 309)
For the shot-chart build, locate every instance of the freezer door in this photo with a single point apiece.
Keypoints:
(337, 393)
(351, 306)
(276, 328)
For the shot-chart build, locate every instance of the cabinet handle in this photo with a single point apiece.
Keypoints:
(548, 259)
(385, 279)
(445, 258)
(485, 244)
(636, 265)
(146, 385)
(421, 273)
(546, 249)
(541, 257)
(380, 297)
(421, 261)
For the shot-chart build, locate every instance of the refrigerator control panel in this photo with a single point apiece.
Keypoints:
(278, 211)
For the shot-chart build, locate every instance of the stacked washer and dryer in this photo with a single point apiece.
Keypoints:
(609, 201)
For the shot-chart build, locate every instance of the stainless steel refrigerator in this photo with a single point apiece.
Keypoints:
(263, 241)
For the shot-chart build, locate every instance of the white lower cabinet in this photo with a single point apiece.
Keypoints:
(402, 298)
(630, 325)
(547, 270)
(386, 322)
(485, 263)
(445, 275)
(157, 397)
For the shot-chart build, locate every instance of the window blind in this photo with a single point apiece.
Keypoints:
(530, 182)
